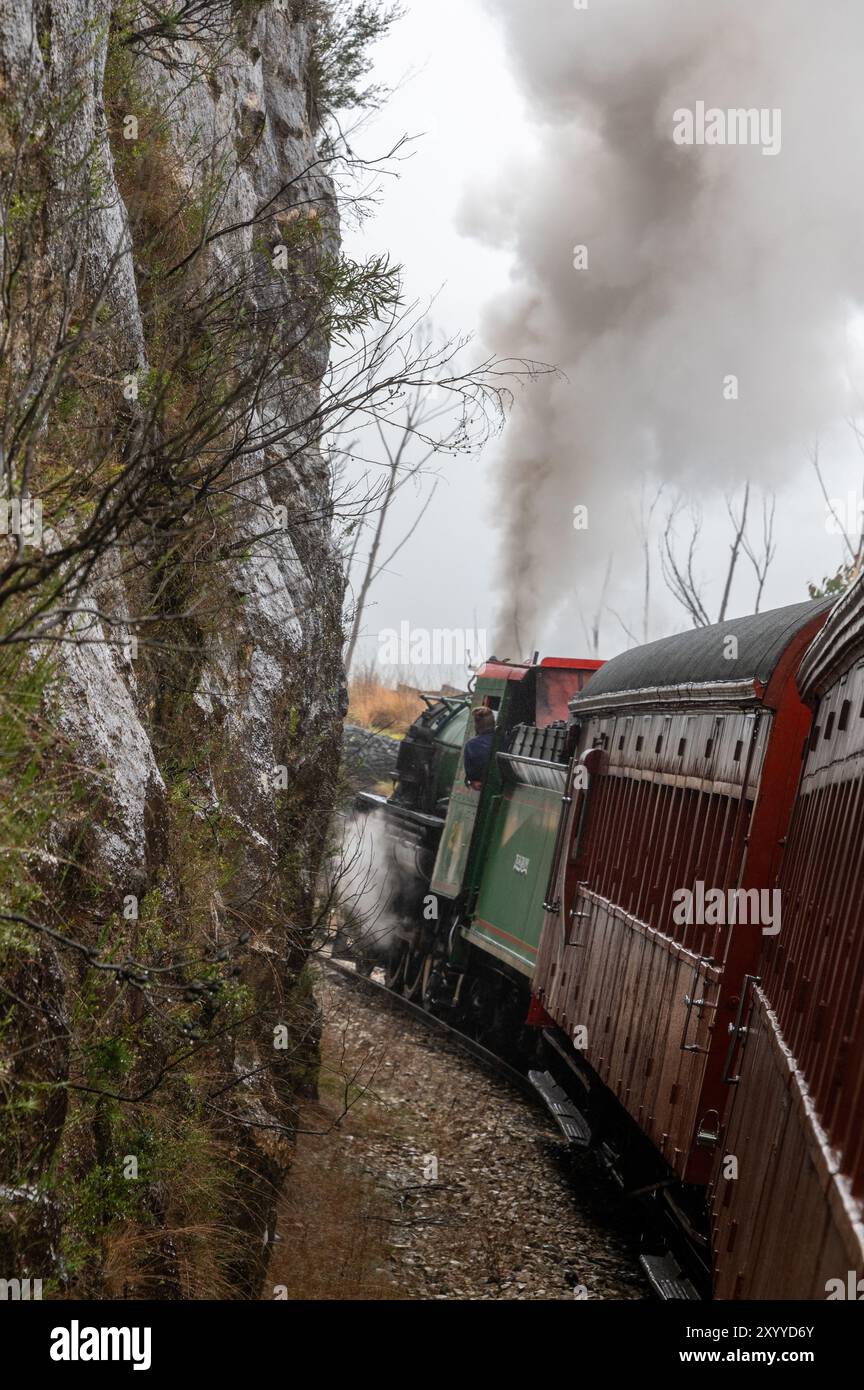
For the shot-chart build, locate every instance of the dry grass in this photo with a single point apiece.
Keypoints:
(332, 1229)
(376, 706)
(179, 1263)
(334, 1222)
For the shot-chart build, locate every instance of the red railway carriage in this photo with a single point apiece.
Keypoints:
(794, 1123)
(693, 745)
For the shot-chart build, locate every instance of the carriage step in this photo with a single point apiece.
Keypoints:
(666, 1279)
(572, 1124)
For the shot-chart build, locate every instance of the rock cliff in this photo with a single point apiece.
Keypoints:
(197, 692)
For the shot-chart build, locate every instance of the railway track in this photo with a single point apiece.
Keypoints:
(399, 1003)
(514, 1214)
(663, 1273)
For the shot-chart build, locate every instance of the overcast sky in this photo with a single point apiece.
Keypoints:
(456, 92)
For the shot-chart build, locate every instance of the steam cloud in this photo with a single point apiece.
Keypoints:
(704, 261)
(366, 877)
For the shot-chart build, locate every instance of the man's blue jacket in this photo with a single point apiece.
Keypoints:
(478, 751)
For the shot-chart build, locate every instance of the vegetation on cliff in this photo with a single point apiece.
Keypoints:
(170, 625)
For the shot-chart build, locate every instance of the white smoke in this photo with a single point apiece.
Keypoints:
(704, 262)
(364, 878)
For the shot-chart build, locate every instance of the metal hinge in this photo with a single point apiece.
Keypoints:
(739, 1031)
(695, 1004)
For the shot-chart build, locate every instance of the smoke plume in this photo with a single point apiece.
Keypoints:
(705, 262)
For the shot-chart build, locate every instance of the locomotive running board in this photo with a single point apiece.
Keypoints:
(372, 801)
(571, 1123)
(666, 1279)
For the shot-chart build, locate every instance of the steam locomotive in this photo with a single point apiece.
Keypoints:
(653, 902)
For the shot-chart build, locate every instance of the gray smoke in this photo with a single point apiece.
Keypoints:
(704, 262)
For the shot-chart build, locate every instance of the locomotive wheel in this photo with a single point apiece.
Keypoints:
(480, 1008)
(394, 969)
(428, 997)
(494, 1014)
(416, 967)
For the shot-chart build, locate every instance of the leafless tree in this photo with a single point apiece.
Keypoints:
(679, 571)
(850, 567)
(592, 633)
(646, 518)
(761, 559)
(397, 438)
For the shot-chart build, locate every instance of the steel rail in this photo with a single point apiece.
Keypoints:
(481, 1054)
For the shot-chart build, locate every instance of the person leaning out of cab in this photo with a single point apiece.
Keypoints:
(478, 750)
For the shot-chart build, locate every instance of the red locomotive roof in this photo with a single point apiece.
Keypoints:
(558, 679)
(502, 671)
(571, 663)
(517, 671)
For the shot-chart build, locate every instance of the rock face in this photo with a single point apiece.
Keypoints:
(211, 758)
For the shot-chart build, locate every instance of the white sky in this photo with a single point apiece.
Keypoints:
(457, 95)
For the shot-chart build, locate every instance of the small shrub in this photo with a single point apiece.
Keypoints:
(344, 33)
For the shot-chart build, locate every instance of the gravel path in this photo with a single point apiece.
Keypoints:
(440, 1181)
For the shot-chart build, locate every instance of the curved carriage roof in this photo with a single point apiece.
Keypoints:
(839, 645)
(674, 665)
